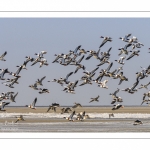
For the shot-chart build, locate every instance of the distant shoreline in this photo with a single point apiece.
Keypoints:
(97, 109)
(92, 106)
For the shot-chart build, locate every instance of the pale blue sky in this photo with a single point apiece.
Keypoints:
(23, 37)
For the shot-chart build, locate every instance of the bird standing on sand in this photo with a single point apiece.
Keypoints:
(138, 122)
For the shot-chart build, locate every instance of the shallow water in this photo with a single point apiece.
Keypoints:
(99, 122)
(117, 126)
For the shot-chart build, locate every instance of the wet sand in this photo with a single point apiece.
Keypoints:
(35, 122)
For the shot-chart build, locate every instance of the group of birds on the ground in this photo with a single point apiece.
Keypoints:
(75, 58)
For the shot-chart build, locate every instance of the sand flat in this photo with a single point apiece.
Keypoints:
(80, 109)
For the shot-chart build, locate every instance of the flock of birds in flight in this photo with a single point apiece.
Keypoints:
(75, 58)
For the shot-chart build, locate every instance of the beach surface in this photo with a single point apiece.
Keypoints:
(40, 120)
(80, 109)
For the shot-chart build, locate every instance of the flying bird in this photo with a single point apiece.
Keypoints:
(2, 56)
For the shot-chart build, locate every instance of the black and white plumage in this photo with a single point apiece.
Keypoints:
(132, 89)
(103, 72)
(65, 80)
(58, 57)
(125, 38)
(89, 73)
(53, 107)
(3, 72)
(145, 101)
(117, 107)
(13, 82)
(106, 39)
(103, 84)
(122, 78)
(43, 91)
(76, 50)
(117, 99)
(134, 53)
(70, 118)
(146, 94)
(120, 60)
(2, 105)
(77, 63)
(43, 62)
(138, 122)
(71, 88)
(34, 86)
(32, 106)
(36, 60)
(105, 54)
(65, 110)
(114, 94)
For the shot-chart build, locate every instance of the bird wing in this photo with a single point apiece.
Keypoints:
(102, 62)
(116, 92)
(82, 84)
(3, 54)
(77, 48)
(69, 74)
(88, 57)
(113, 101)
(120, 53)
(49, 108)
(76, 69)
(98, 52)
(126, 36)
(80, 59)
(109, 66)
(4, 104)
(130, 56)
(74, 84)
(97, 97)
(127, 45)
(147, 84)
(134, 85)
(43, 78)
(114, 71)
(144, 96)
(104, 41)
(16, 95)
(142, 102)
(34, 102)
(18, 71)
(71, 116)
(91, 100)
(109, 49)
(120, 82)
(36, 60)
